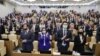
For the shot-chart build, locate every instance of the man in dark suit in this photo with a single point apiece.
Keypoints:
(63, 38)
(98, 34)
(49, 27)
(27, 39)
(2, 29)
(88, 30)
(37, 30)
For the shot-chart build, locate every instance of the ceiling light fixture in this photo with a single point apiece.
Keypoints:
(31, 0)
(77, 0)
(53, 0)
(69, 4)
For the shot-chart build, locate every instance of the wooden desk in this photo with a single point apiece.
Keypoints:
(9, 47)
(32, 54)
(97, 50)
(21, 54)
(29, 54)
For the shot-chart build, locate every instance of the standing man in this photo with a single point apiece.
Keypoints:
(98, 34)
(27, 39)
(63, 38)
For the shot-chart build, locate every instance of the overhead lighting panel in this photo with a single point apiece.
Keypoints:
(31, 0)
(53, 0)
(70, 4)
(77, 0)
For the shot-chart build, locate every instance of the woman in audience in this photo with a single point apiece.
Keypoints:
(71, 29)
(79, 42)
(44, 41)
(42, 25)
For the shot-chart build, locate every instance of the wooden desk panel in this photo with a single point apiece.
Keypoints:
(29, 54)
(21, 54)
(9, 47)
(97, 50)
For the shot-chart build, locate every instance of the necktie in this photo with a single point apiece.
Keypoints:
(64, 33)
(25, 32)
(81, 39)
(34, 27)
(44, 40)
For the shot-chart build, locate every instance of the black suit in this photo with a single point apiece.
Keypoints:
(29, 36)
(78, 45)
(37, 30)
(2, 30)
(49, 30)
(88, 30)
(98, 34)
(59, 35)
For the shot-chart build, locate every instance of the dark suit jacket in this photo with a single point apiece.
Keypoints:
(37, 29)
(88, 31)
(29, 36)
(59, 35)
(78, 46)
(49, 30)
(2, 29)
(41, 42)
(98, 34)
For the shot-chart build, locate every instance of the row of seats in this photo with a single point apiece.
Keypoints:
(16, 40)
(11, 37)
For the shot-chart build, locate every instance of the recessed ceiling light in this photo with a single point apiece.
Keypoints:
(31, 0)
(77, 0)
(53, 0)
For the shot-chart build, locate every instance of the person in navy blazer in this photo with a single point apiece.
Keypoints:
(27, 39)
(44, 41)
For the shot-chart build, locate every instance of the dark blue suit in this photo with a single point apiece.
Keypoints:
(29, 36)
(44, 42)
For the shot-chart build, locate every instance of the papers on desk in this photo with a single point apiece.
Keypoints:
(56, 53)
(18, 51)
(76, 53)
(98, 42)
